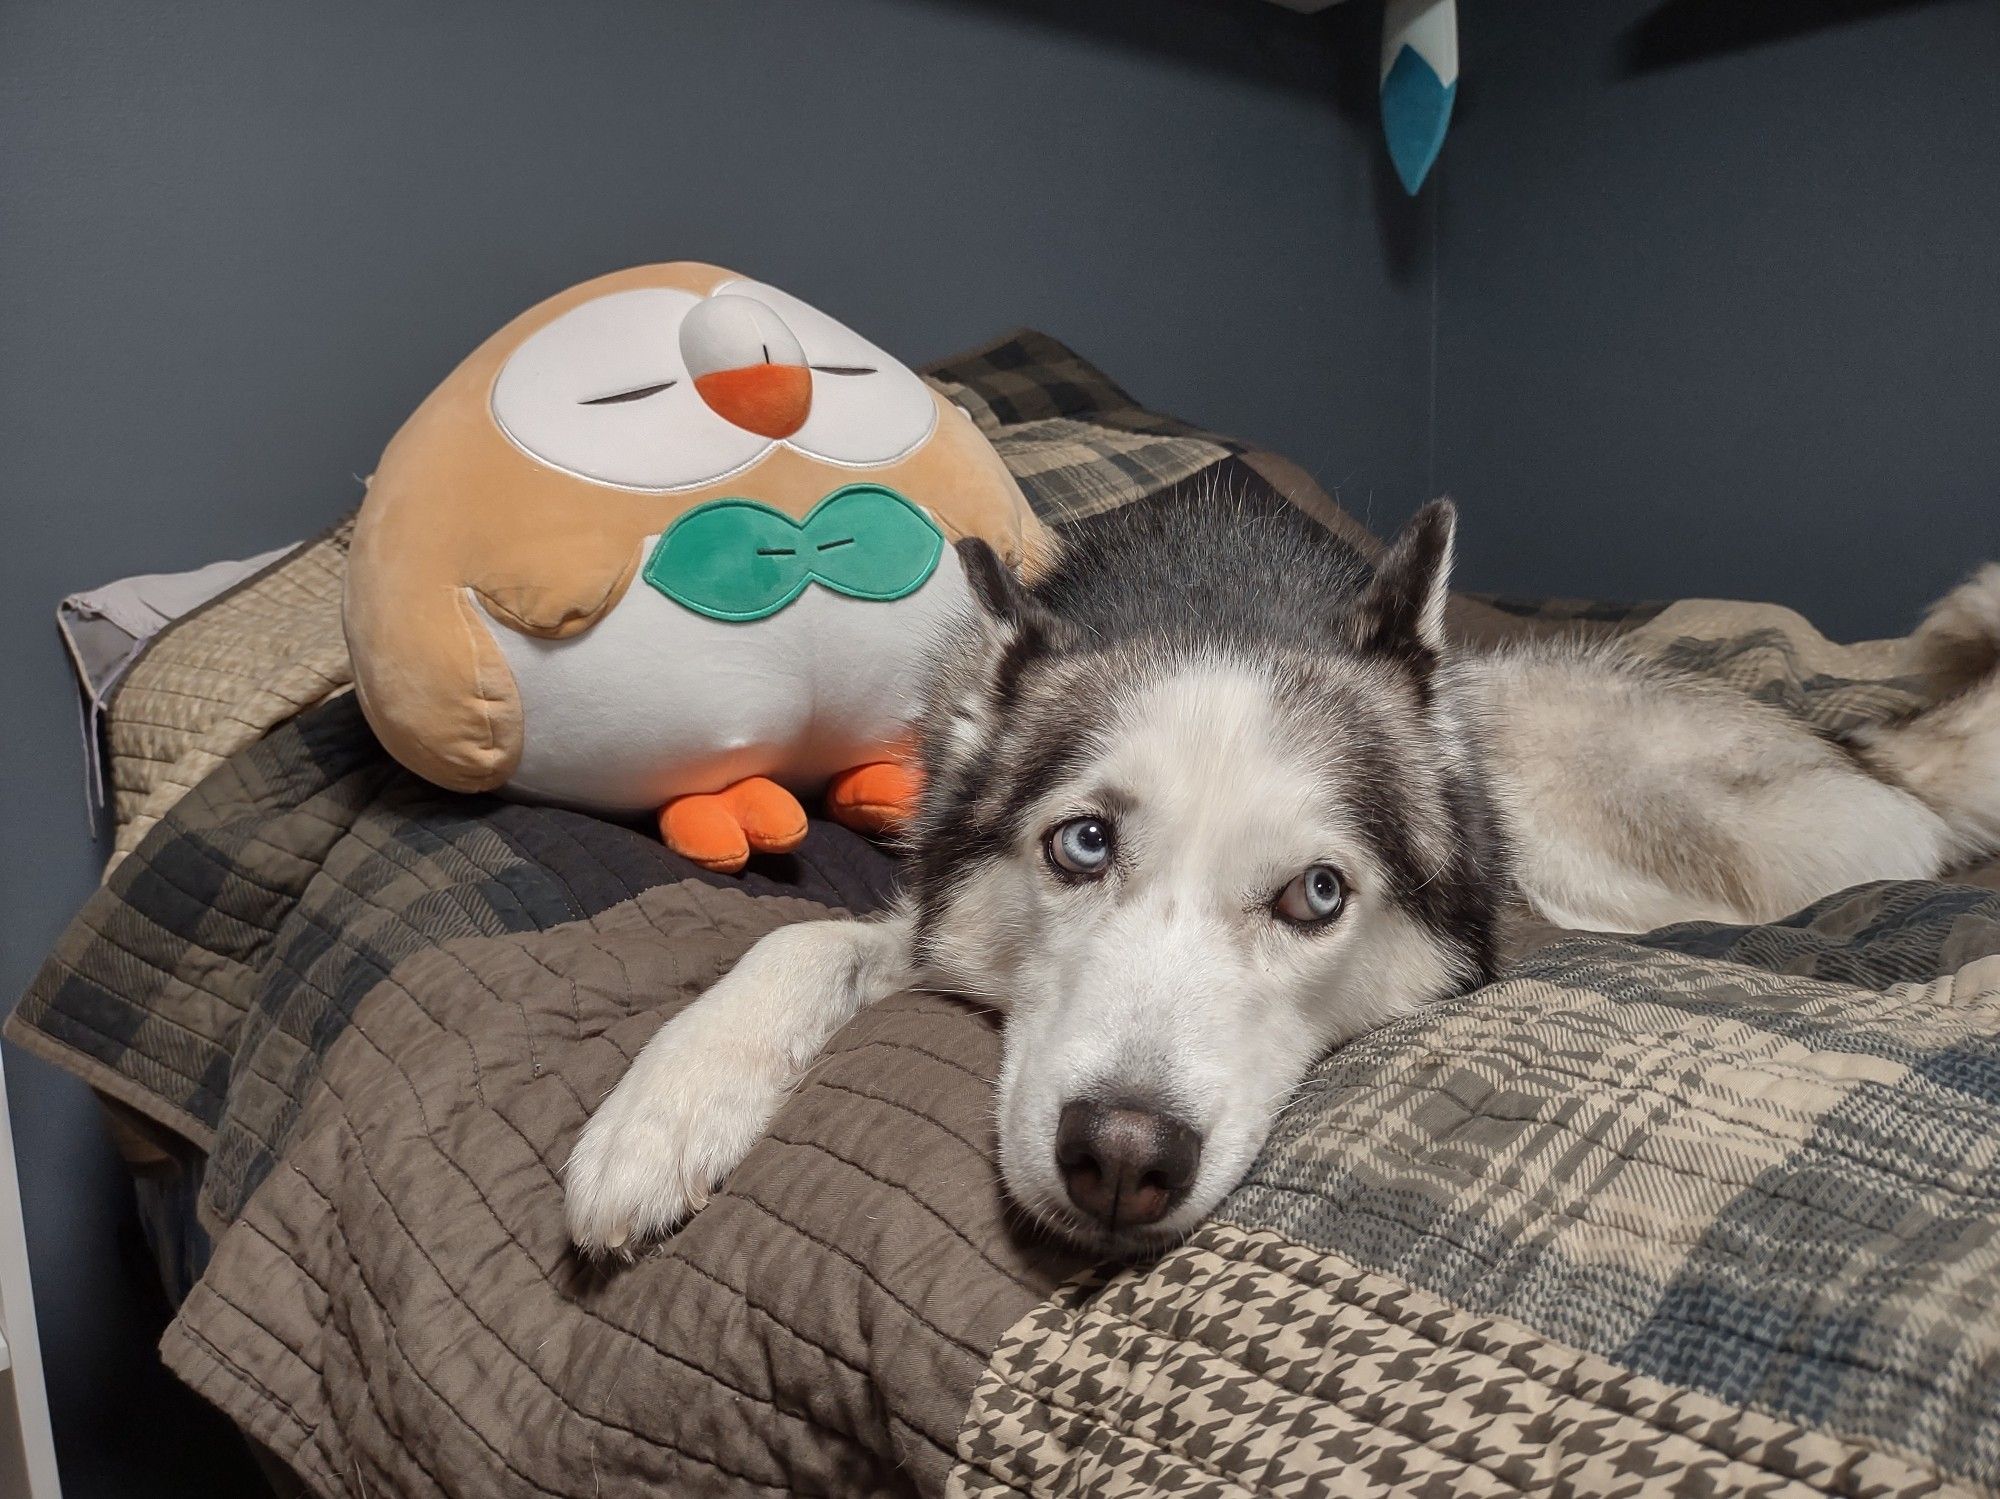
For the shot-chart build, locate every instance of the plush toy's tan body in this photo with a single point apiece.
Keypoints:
(465, 533)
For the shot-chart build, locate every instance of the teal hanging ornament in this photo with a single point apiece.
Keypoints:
(1419, 82)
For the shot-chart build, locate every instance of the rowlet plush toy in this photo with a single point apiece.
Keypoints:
(672, 542)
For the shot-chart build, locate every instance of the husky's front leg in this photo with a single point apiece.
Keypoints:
(707, 1084)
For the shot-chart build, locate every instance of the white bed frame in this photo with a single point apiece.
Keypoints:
(27, 1448)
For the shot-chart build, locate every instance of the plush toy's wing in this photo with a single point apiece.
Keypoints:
(568, 582)
(462, 535)
(431, 680)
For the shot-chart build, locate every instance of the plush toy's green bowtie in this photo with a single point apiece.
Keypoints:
(741, 560)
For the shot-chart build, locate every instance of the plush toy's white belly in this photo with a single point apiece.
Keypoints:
(655, 701)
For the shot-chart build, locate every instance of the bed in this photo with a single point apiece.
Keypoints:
(1708, 1211)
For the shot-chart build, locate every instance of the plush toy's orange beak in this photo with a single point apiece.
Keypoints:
(772, 400)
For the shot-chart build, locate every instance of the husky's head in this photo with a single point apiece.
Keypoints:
(1187, 846)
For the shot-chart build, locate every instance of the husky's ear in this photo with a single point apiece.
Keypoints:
(1010, 610)
(1402, 611)
(1018, 629)
(993, 582)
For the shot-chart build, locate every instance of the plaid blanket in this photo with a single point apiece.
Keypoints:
(1709, 1211)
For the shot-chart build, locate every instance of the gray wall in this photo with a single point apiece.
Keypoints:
(1719, 311)
(242, 240)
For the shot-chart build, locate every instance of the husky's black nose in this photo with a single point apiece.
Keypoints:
(1125, 1165)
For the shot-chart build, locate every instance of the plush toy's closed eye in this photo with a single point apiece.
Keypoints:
(630, 395)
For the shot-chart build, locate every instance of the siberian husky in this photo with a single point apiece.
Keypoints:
(1213, 797)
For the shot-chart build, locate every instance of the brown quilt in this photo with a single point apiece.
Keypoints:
(1712, 1211)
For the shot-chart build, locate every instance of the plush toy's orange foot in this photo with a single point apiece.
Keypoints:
(718, 830)
(876, 798)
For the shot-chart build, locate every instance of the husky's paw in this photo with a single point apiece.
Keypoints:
(679, 1121)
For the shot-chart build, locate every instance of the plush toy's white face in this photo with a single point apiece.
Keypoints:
(660, 389)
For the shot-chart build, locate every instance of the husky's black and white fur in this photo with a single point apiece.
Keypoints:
(1213, 797)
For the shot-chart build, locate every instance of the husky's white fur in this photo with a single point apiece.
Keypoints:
(1222, 756)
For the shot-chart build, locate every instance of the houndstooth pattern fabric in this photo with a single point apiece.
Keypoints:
(1246, 1364)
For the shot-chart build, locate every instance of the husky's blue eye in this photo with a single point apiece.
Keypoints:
(1314, 897)
(1080, 848)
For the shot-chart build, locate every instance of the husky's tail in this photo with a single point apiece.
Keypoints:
(1948, 751)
